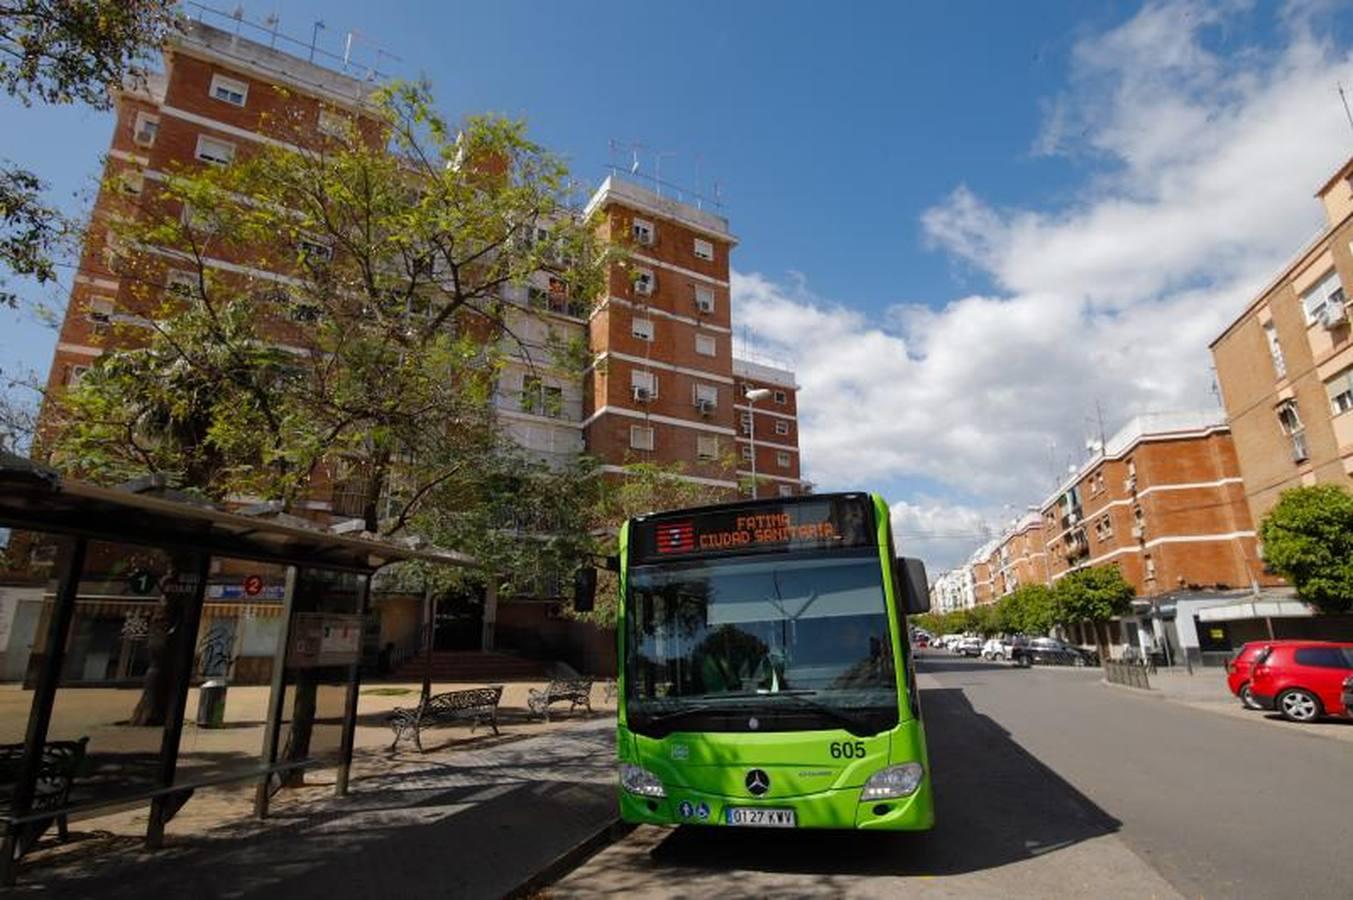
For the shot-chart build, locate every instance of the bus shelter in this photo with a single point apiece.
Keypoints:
(146, 602)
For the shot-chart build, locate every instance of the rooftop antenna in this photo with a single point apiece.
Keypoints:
(271, 22)
(314, 37)
(1344, 98)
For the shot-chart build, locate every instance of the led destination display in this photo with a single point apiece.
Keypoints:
(823, 522)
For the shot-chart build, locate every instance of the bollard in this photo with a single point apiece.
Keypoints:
(211, 704)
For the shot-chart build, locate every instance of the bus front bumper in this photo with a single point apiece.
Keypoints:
(841, 808)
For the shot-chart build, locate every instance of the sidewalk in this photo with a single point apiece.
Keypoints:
(466, 823)
(1206, 689)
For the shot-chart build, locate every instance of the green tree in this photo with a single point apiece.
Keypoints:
(1308, 539)
(1092, 596)
(59, 52)
(1029, 609)
(355, 340)
(370, 362)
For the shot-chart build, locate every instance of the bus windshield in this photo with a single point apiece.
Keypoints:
(796, 633)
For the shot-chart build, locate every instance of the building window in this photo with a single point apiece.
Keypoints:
(641, 437)
(706, 396)
(145, 130)
(1289, 420)
(131, 181)
(781, 427)
(782, 459)
(1322, 300)
(1150, 568)
(705, 345)
(332, 123)
(211, 150)
(707, 446)
(1340, 389)
(642, 329)
(643, 232)
(541, 399)
(229, 90)
(1104, 528)
(747, 451)
(745, 422)
(76, 375)
(781, 397)
(704, 298)
(643, 384)
(644, 282)
(704, 249)
(100, 310)
(315, 251)
(180, 283)
(1275, 350)
(786, 490)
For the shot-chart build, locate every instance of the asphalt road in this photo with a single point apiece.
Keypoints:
(1048, 783)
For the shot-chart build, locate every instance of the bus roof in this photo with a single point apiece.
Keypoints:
(768, 502)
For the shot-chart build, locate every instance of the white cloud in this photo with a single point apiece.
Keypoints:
(1204, 165)
(943, 534)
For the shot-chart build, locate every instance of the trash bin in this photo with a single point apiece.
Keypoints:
(211, 704)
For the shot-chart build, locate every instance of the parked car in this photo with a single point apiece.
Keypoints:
(992, 649)
(1348, 696)
(1003, 648)
(1052, 652)
(1303, 680)
(944, 641)
(969, 646)
(1238, 672)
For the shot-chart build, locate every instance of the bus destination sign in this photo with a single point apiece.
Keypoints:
(820, 523)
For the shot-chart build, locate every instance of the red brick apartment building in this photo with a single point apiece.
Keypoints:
(1163, 501)
(663, 385)
(1285, 369)
(1285, 365)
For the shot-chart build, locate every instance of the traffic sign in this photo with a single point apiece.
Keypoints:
(141, 582)
(253, 585)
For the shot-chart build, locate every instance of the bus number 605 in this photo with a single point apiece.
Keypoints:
(847, 750)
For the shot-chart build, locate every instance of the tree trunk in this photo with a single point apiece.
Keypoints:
(153, 706)
(302, 725)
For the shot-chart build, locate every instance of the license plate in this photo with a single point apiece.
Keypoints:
(756, 817)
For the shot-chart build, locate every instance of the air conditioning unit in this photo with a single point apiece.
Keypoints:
(705, 406)
(642, 394)
(1139, 531)
(643, 287)
(1335, 314)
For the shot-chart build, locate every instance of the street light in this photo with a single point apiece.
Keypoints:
(752, 396)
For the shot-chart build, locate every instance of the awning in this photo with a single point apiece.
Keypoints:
(1256, 609)
(36, 498)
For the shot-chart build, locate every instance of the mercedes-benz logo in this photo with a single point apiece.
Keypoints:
(758, 782)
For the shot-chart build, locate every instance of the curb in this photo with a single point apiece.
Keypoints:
(571, 859)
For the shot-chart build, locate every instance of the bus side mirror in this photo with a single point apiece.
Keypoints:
(915, 587)
(585, 589)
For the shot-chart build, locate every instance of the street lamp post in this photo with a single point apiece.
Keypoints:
(752, 396)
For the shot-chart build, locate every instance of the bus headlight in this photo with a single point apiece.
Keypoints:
(640, 781)
(894, 781)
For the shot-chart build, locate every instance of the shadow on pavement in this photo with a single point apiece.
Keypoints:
(469, 824)
(995, 804)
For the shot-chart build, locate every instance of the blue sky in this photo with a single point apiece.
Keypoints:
(963, 222)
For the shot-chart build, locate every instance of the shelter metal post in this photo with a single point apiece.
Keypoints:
(490, 613)
(276, 698)
(429, 631)
(180, 671)
(70, 565)
(350, 707)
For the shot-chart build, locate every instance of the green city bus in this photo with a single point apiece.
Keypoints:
(765, 675)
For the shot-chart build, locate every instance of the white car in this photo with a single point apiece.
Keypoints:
(969, 646)
(994, 648)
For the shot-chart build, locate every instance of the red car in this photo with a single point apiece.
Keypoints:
(1303, 680)
(1238, 671)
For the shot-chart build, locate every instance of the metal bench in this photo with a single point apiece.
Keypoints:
(479, 705)
(61, 762)
(577, 691)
